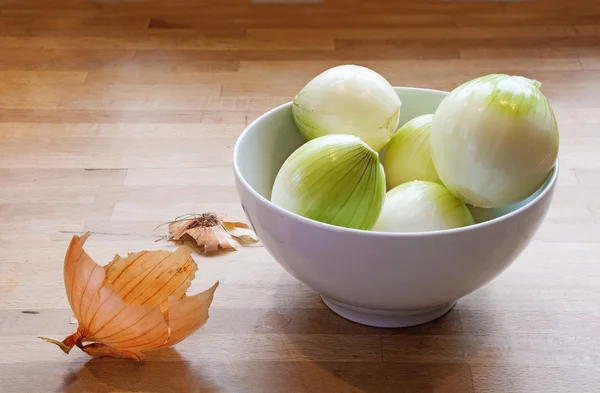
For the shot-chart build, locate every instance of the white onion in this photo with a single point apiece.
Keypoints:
(494, 140)
(348, 99)
(335, 179)
(421, 206)
(408, 155)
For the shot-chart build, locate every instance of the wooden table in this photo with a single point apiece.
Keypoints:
(116, 116)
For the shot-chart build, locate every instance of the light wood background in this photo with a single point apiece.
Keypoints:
(116, 116)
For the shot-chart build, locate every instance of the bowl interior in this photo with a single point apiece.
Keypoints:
(264, 146)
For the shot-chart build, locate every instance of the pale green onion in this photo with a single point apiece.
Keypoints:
(335, 179)
(422, 206)
(348, 99)
(408, 155)
(494, 140)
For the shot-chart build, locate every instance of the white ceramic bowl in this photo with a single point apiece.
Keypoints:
(375, 278)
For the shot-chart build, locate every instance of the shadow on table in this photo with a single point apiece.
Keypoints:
(173, 374)
(345, 356)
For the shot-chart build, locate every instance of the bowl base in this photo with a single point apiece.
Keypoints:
(385, 318)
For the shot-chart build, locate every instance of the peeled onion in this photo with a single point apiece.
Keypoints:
(494, 140)
(348, 99)
(421, 206)
(335, 179)
(408, 155)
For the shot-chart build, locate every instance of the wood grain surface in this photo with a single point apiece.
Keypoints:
(117, 115)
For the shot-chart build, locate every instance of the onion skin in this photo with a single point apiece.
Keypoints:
(494, 140)
(134, 304)
(348, 99)
(422, 206)
(212, 232)
(334, 179)
(408, 155)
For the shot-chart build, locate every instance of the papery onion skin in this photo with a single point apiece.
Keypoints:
(408, 155)
(134, 304)
(335, 179)
(422, 206)
(212, 232)
(494, 140)
(348, 99)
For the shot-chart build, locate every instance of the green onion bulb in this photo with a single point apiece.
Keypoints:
(348, 99)
(494, 140)
(335, 179)
(421, 206)
(408, 155)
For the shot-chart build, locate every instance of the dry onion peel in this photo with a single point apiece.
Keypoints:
(211, 231)
(134, 304)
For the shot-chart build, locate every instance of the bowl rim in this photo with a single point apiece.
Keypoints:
(549, 185)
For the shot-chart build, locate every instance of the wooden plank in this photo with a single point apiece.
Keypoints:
(136, 97)
(310, 20)
(50, 178)
(46, 21)
(161, 98)
(341, 53)
(205, 129)
(526, 18)
(562, 379)
(44, 77)
(47, 194)
(285, 78)
(24, 96)
(390, 67)
(127, 211)
(103, 116)
(215, 176)
(315, 321)
(60, 60)
(165, 39)
(237, 376)
(104, 155)
(531, 322)
(176, 194)
(167, 73)
(227, 347)
(421, 33)
(36, 214)
(503, 349)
